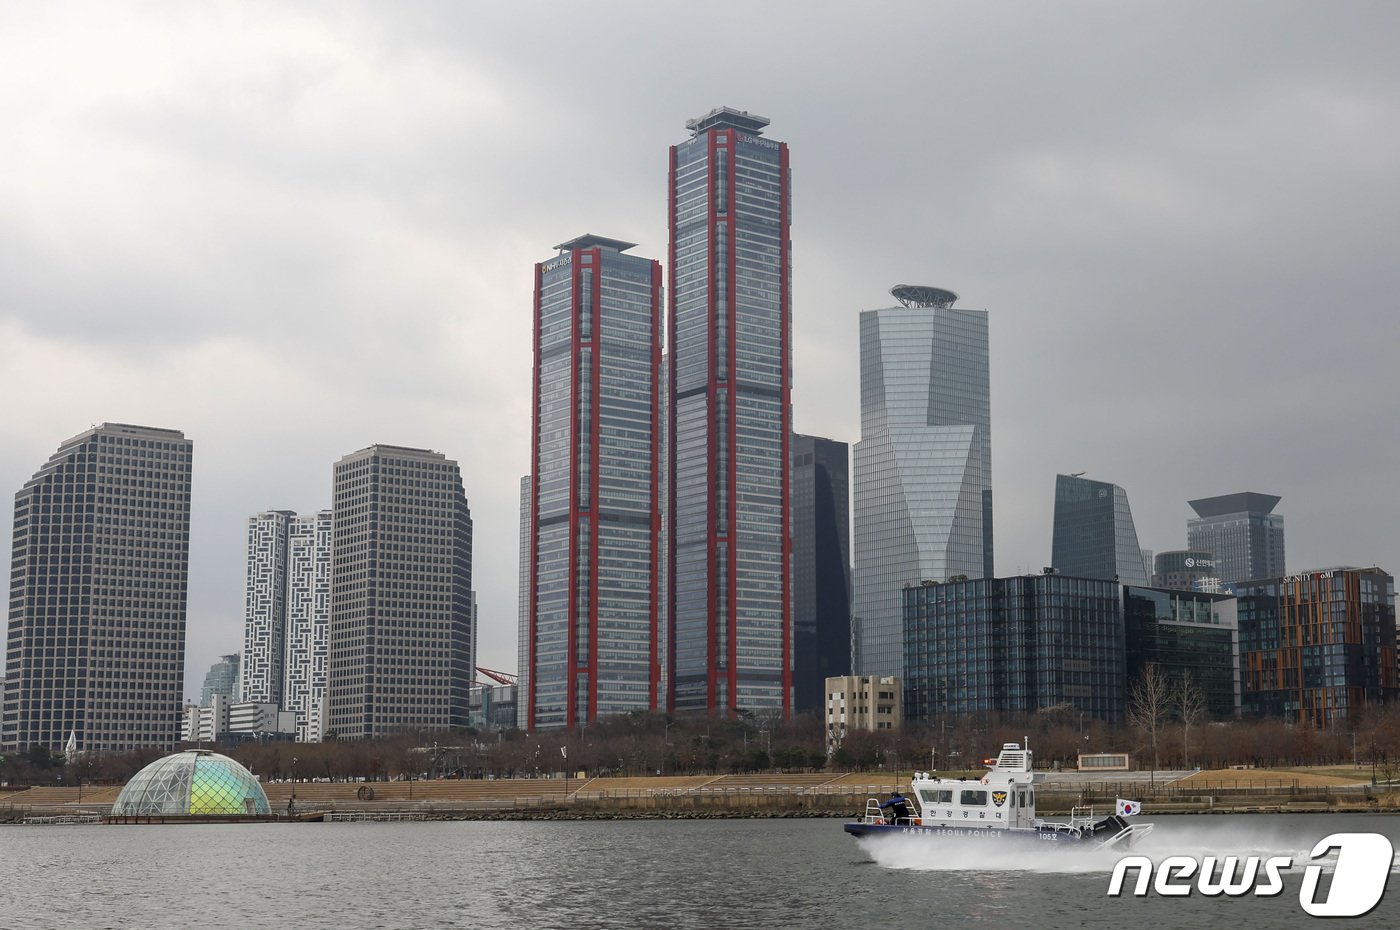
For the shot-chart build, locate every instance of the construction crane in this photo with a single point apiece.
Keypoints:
(500, 678)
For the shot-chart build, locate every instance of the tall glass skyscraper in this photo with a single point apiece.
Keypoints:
(98, 582)
(923, 466)
(1094, 536)
(730, 417)
(522, 607)
(596, 517)
(1242, 531)
(821, 568)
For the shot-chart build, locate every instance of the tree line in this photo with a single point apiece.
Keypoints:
(1157, 732)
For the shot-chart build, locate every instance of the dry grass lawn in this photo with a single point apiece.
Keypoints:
(1303, 777)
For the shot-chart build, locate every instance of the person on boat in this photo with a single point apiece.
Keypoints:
(898, 806)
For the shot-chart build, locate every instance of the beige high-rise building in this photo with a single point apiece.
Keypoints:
(862, 702)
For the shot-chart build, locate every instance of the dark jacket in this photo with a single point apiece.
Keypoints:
(899, 807)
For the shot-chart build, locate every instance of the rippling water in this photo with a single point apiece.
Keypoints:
(581, 875)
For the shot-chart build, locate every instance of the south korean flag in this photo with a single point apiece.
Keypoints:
(1128, 808)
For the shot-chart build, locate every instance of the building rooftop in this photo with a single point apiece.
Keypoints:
(380, 448)
(923, 295)
(1243, 502)
(590, 241)
(727, 118)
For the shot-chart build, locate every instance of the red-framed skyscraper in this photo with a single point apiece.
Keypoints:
(729, 396)
(591, 633)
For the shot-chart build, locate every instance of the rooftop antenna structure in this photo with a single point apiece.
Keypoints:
(922, 295)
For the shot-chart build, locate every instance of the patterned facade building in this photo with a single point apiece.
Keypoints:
(923, 466)
(308, 622)
(1094, 535)
(99, 578)
(821, 567)
(592, 637)
(265, 608)
(1317, 647)
(729, 397)
(401, 576)
(1018, 645)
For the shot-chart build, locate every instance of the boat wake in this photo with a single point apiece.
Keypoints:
(915, 853)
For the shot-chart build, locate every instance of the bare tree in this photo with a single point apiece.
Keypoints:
(1149, 703)
(1191, 705)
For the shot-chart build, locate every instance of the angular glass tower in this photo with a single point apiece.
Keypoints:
(923, 466)
(730, 418)
(1242, 531)
(595, 509)
(1094, 535)
(98, 580)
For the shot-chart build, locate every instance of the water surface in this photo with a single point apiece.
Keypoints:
(583, 875)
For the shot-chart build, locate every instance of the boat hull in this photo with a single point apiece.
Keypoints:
(1000, 835)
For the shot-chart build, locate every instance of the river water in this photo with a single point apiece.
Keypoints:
(619, 874)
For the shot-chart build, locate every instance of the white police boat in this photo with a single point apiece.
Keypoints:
(999, 806)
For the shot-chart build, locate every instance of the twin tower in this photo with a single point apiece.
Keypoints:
(656, 543)
(658, 523)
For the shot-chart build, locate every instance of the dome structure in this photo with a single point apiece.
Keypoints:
(195, 782)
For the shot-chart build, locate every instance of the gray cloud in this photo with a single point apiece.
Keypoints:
(294, 231)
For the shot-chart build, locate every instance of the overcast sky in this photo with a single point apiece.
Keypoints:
(293, 230)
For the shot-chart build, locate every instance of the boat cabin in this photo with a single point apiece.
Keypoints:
(1004, 798)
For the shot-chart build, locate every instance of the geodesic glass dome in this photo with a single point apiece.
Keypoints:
(194, 782)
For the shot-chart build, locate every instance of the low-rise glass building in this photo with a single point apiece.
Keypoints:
(1019, 644)
(1186, 633)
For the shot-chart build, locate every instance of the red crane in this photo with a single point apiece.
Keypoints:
(501, 678)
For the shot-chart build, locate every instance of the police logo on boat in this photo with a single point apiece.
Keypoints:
(998, 806)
